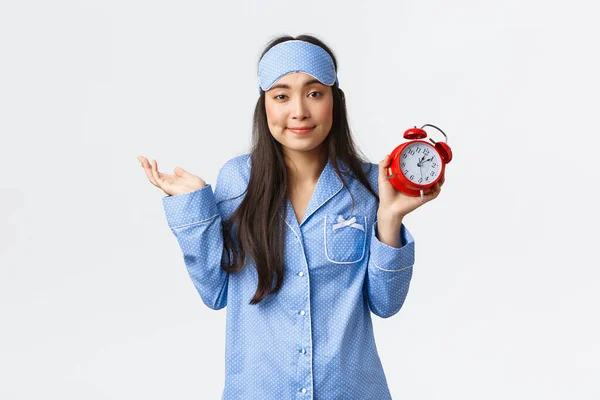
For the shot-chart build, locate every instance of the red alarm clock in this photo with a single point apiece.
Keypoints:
(417, 165)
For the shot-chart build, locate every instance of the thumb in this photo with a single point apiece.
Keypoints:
(181, 172)
(383, 165)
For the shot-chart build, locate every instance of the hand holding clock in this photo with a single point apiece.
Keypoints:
(395, 204)
(400, 189)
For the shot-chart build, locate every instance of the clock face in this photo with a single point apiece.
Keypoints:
(420, 163)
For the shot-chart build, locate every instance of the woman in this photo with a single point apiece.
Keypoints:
(295, 240)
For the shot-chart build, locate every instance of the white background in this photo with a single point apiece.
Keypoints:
(95, 300)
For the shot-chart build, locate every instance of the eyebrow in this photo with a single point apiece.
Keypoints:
(284, 86)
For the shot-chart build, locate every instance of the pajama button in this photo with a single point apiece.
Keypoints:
(300, 273)
(302, 312)
(303, 390)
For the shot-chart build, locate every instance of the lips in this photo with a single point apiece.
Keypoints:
(301, 129)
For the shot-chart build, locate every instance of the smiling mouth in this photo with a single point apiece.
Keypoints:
(301, 130)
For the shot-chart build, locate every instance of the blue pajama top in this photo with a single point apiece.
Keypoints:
(314, 338)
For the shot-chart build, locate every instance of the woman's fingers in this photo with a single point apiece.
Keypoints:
(148, 170)
(160, 182)
(437, 188)
(383, 166)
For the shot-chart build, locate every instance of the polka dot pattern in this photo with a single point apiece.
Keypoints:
(314, 339)
(295, 56)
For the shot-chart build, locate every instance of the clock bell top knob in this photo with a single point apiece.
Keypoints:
(415, 133)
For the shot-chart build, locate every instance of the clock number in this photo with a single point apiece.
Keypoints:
(412, 177)
(405, 171)
(420, 180)
(426, 178)
(426, 151)
(403, 164)
(434, 165)
(412, 152)
(418, 150)
(404, 155)
(432, 173)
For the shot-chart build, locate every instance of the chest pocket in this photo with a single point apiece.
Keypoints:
(345, 238)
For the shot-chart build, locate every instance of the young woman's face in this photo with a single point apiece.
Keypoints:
(298, 100)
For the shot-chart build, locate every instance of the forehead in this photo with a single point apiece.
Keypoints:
(295, 79)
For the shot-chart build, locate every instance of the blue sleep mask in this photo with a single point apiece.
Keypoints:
(295, 56)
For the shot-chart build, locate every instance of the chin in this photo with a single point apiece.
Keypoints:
(301, 148)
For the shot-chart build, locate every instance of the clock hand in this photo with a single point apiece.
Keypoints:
(421, 190)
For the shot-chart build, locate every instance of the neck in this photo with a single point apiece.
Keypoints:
(305, 167)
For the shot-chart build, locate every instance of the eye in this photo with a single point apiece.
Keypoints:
(277, 97)
(319, 94)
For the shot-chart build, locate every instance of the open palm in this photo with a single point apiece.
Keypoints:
(181, 182)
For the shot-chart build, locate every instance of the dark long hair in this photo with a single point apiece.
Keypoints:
(259, 227)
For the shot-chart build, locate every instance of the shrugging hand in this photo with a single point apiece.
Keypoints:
(181, 182)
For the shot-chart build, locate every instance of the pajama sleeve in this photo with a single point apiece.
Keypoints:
(195, 219)
(389, 272)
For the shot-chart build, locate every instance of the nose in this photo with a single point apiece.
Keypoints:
(299, 108)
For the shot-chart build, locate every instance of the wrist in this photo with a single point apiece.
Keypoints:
(389, 218)
(388, 228)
